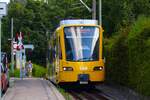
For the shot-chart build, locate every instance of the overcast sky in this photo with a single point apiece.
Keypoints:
(4, 1)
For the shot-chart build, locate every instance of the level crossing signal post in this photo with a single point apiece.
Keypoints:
(3, 12)
(19, 51)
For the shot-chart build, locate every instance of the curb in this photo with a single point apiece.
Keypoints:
(55, 91)
(11, 85)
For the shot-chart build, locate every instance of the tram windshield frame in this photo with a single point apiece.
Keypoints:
(82, 43)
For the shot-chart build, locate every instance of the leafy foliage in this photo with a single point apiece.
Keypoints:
(38, 71)
(128, 57)
(117, 59)
(16, 73)
(139, 50)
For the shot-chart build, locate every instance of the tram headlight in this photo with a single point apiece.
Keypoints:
(64, 68)
(67, 69)
(98, 68)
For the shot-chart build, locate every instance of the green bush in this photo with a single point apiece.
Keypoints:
(128, 57)
(139, 55)
(117, 59)
(16, 73)
(38, 71)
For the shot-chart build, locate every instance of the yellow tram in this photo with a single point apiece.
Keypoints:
(76, 52)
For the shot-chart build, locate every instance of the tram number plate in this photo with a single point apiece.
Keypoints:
(83, 82)
(83, 78)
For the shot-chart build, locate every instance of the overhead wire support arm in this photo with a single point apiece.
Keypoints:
(89, 9)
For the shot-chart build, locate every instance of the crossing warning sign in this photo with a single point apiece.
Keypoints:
(3, 9)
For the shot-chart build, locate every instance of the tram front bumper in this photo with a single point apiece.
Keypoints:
(93, 76)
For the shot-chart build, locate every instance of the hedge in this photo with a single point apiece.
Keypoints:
(117, 60)
(139, 55)
(38, 71)
(128, 57)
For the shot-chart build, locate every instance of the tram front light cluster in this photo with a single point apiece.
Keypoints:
(67, 69)
(98, 68)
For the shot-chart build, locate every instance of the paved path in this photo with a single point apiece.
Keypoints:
(32, 89)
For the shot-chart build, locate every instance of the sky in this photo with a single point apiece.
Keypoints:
(5, 1)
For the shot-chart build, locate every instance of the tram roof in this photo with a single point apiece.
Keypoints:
(79, 21)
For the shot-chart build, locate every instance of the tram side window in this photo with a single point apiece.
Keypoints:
(60, 51)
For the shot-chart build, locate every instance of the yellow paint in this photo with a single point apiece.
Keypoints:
(78, 67)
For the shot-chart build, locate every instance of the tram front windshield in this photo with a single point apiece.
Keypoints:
(82, 43)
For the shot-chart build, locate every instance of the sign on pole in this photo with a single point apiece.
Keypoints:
(7, 1)
(29, 46)
(3, 9)
(14, 47)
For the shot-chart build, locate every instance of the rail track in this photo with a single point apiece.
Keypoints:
(84, 92)
(87, 93)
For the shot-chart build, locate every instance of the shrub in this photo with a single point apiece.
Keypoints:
(38, 71)
(128, 57)
(117, 60)
(16, 73)
(139, 55)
